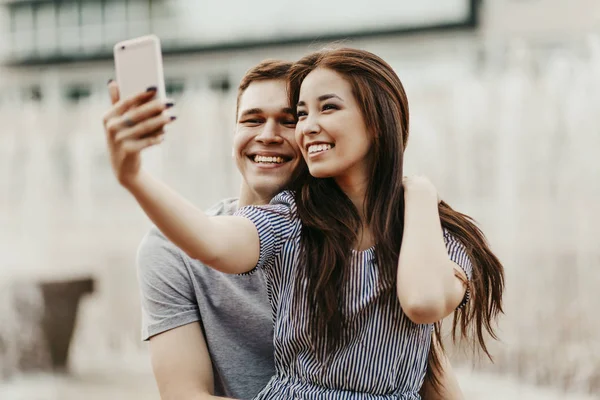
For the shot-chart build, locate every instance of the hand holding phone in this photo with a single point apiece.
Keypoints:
(137, 118)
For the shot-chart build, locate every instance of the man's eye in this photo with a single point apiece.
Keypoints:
(289, 122)
(251, 121)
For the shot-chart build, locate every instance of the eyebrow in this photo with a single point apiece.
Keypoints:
(322, 98)
(253, 111)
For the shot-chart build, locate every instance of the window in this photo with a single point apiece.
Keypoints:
(76, 92)
(23, 30)
(46, 32)
(174, 87)
(115, 26)
(92, 29)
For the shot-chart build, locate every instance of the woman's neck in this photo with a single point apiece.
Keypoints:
(355, 187)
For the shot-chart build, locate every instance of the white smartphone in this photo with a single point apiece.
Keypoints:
(138, 66)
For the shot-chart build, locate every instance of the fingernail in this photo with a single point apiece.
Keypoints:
(169, 105)
(109, 81)
(173, 118)
(151, 89)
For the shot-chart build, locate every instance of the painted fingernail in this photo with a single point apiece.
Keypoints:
(173, 118)
(169, 105)
(109, 81)
(151, 89)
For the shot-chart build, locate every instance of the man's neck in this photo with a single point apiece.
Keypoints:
(249, 197)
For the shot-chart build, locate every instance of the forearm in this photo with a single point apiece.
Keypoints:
(182, 364)
(426, 278)
(186, 226)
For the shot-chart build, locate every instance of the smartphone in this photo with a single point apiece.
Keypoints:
(138, 66)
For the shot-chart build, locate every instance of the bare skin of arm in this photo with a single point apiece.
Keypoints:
(181, 364)
(450, 389)
(136, 123)
(428, 286)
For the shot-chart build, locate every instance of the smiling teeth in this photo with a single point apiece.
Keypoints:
(272, 160)
(316, 148)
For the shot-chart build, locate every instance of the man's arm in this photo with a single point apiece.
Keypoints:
(182, 365)
(171, 321)
(449, 387)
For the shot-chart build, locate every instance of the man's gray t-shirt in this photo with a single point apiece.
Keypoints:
(233, 310)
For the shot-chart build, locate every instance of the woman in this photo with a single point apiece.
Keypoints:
(426, 295)
(358, 266)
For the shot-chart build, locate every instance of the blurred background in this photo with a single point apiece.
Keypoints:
(505, 100)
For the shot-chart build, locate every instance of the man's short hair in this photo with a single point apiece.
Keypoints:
(265, 70)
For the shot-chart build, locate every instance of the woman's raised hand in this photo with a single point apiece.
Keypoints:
(131, 125)
(419, 185)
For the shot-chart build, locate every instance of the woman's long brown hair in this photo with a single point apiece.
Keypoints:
(331, 222)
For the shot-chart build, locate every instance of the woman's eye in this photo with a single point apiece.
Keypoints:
(301, 114)
(330, 107)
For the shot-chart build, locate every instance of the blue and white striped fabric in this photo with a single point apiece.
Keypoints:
(386, 354)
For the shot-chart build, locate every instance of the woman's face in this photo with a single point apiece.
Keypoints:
(331, 131)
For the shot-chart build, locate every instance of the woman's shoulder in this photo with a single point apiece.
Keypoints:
(276, 221)
(285, 198)
(284, 203)
(281, 209)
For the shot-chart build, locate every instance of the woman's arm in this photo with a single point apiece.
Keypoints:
(208, 239)
(136, 123)
(429, 283)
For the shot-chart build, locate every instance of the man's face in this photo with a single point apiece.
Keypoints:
(264, 145)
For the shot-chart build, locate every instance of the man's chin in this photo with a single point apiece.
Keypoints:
(268, 182)
(267, 187)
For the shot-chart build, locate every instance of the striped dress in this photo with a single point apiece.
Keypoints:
(385, 354)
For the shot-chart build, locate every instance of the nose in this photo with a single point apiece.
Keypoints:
(270, 133)
(310, 126)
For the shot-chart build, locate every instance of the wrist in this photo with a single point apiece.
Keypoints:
(420, 194)
(133, 182)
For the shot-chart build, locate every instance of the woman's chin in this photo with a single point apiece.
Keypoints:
(320, 172)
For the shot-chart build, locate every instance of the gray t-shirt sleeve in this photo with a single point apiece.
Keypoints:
(167, 296)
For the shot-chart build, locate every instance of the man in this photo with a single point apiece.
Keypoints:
(211, 333)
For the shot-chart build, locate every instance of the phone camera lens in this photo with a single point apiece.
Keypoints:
(122, 47)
